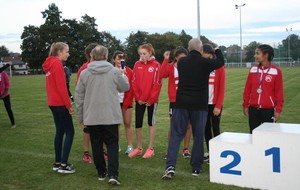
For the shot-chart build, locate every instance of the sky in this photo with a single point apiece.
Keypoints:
(264, 21)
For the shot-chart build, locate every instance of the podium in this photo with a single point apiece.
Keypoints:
(267, 159)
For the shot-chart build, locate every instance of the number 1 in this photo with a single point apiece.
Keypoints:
(275, 152)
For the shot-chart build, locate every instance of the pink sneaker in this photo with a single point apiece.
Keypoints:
(87, 158)
(135, 152)
(149, 153)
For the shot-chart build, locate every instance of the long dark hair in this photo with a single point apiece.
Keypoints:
(266, 49)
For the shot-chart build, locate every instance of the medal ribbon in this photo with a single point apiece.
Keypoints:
(262, 76)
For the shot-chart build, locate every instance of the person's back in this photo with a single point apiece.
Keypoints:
(102, 83)
(194, 70)
(99, 110)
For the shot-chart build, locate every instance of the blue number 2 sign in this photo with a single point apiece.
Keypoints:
(227, 169)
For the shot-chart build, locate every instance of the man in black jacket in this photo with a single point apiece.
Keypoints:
(191, 105)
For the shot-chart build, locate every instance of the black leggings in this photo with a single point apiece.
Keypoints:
(7, 105)
(139, 114)
(212, 128)
(257, 116)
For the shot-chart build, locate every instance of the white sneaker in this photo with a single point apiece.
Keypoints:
(13, 126)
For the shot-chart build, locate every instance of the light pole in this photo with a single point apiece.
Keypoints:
(241, 44)
(289, 44)
(198, 18)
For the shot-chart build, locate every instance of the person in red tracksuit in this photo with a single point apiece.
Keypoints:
(169, 70)
(146, 84)
(126, 98)
(263, 93)
(60, 105)
(86, 135)
(216, 90)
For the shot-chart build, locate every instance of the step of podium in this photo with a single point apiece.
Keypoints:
(267, 159)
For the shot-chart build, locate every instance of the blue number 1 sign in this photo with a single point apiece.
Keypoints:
(275, 152)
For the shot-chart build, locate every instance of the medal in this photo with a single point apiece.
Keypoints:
(259, 90)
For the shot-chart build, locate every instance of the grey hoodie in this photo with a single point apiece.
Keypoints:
(97, 94)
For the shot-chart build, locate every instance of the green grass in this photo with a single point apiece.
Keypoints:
(27, 151)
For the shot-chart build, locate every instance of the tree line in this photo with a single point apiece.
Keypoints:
(36, 41)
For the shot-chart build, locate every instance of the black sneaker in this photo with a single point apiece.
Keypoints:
(206, 156)
(168, 173)
(196, 173)
(113, 180)
(66, 169)
(102, 176)
(55, 166)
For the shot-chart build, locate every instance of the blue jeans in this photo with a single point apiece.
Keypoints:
(179, 121)
(64, 126)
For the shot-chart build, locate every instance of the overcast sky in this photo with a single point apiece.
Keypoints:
(263, 21)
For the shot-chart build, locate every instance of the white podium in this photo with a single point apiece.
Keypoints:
(267, 159)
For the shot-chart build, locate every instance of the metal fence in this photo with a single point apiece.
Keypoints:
(277, 63)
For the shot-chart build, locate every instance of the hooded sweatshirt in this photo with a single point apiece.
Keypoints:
(56, 87)
(4, 85)
(97, 99)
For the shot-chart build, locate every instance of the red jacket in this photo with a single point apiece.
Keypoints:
(146, 82)
(128, 95)
(84, 66)
(168, 70)
(56, 87)
(271, 86)
(4, 85)
(216, 83)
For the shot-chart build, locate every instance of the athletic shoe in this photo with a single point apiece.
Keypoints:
(66, 169)
(87, 158)
(195, 173)
(186, 153)
(113, 180)
(102, 176)
(168, 173)
(105, 156)
(55, 166)
(149, 153)
(206, 156)
(13, 126)
(129, 150)
(135, 152)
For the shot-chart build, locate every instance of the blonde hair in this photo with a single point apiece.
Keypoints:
(147, 47)
(99, 53)
(56, 47)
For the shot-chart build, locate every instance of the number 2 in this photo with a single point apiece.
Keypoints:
(227, 169)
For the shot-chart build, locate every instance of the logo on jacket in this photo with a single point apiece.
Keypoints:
(268, 78)
(151, 69)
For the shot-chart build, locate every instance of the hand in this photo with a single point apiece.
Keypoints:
(276, 116)
(71, 111)
(141, 102)
(147, 104)
(167, 55)
(246, 112)
(123, 71)
(216, 111)
(83, 125)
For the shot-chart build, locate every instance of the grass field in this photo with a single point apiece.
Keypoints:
(27, 152)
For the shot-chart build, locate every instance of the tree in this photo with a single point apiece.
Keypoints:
(31, 47)
(233, 53)
(4, 52)
(52, 15)
(294, 46)
(111, 42)
(184, 39)
(164, 42)
(249, 51)
(132, 43)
